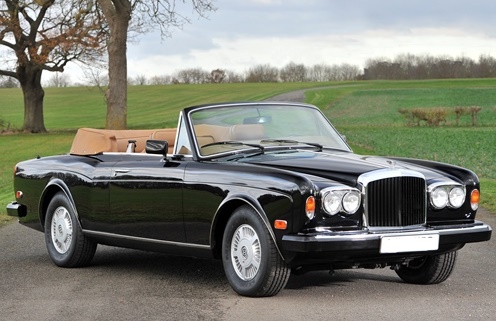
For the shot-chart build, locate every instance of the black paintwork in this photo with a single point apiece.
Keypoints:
(180, 204)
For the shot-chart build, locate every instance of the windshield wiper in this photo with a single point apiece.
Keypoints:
(237, 143)
(234, 143)
(289, 141)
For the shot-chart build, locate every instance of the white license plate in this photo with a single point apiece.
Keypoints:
(409, 243)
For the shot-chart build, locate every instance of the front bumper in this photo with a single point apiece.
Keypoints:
(370, 242)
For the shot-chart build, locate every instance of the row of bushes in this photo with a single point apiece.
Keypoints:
(437, 116)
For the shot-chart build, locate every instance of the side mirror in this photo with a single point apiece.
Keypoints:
(159, 147)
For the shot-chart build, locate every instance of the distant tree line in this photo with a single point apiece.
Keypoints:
(291, 72)
(407, 66)
(403, 67)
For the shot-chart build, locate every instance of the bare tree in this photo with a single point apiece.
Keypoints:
(143, 16)
(193, 76)
(293, 72)
(58, 80)
(263, 73)
(160, 80)
(140, 80)
(45, 35)
(8, 82)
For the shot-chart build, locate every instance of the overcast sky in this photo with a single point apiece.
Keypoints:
(245, 33)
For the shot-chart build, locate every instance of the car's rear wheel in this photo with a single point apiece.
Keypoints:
(428, 269)
(66, 244)
(251, 261)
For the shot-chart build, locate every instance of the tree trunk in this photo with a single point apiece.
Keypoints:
(30, 80)
(117, 90)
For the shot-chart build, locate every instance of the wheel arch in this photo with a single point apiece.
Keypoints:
(52, 188)
(224, 213)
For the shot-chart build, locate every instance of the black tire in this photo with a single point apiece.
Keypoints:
(252, 264)
(429, 269)
(66, 244)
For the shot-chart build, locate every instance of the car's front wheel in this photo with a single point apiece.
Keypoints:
(428, 269)
(66, 244)
(251, 261)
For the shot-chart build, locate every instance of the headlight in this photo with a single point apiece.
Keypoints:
(447, 195)
(351, 202)
(457, 197)
(341, 200)
(439, 197)
(332, 202)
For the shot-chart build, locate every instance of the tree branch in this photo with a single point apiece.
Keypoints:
(9, 74)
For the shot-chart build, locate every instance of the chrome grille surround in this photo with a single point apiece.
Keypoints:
(394, 198)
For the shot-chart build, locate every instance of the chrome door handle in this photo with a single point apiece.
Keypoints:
(120, 171)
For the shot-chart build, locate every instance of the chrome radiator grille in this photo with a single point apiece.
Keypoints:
(396, 201)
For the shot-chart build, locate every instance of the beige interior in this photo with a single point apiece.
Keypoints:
(90, 141)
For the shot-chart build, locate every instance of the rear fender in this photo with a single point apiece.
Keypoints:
(54, 186)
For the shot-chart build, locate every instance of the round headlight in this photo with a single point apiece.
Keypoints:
(332, 202)
(439, 197)
(457, 197)
(351, 202)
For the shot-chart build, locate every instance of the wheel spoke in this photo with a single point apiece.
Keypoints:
(61, 230)
(246, 252)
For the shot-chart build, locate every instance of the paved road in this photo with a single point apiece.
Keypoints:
(132, 285)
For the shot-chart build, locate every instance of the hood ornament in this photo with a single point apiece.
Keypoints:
(391, 163)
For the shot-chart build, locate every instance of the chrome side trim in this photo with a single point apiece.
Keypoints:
(146, 240)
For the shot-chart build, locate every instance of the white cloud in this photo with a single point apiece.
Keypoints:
(244, 33)
(242, 53)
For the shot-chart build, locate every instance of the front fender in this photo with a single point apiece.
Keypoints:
(268, 207)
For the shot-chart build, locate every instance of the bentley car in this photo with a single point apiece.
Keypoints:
(269, 188)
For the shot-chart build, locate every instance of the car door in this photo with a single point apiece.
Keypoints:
(145, 198)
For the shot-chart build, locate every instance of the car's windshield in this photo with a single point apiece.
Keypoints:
(227, 129)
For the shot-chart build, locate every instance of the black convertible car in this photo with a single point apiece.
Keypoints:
(270, 188)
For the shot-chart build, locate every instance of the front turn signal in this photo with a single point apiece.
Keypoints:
(280, 224)
(474, 199)
(310, 207)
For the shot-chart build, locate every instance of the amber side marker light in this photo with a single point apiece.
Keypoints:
(474, 199)
(280, 224)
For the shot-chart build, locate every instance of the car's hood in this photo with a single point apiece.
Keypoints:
(339, 166)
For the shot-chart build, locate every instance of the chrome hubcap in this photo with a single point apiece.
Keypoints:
(246, 252)
(61, 230)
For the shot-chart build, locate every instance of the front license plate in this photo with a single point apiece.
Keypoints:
(409, 243)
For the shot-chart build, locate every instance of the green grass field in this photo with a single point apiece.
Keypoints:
(366, 112)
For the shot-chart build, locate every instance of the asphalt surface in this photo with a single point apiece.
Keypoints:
(134, 285)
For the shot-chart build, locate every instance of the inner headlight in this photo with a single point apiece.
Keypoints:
(351, 202)
(345, 200)
(457, 197)
(439, 197)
